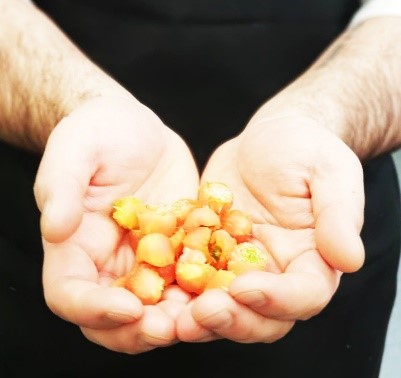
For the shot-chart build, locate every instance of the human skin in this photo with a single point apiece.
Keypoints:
(98, 144)
(296, 168)
(99, 151)
(105, 149)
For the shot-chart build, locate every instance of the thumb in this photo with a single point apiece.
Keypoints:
(338, 238)
(61, 182)
(338, 204)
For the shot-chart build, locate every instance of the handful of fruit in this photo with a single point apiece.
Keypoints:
(197, 244)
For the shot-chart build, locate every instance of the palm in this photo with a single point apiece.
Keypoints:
(303, 189)
(286, 176)
(107, 149)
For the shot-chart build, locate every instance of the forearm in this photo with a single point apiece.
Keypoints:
(353, 89)
(43, 75)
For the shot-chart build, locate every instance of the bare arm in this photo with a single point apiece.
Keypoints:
(291, 170)
(43, 75)
(105, 145)
(353, 89)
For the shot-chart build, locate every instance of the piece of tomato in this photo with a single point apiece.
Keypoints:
(182, 208)
(238, 224)
(221, 245)
(126, 210)
(220, 280)
(167, 273)
(193, 277)
(198, 238)
(145, 283)
(216, 195)
(246, 256)
(177, 241)
(157, 219)
(201, 217)
(155, 249)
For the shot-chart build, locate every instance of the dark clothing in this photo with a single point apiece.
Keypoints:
(204, 67)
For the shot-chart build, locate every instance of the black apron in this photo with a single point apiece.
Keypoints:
(204, 67)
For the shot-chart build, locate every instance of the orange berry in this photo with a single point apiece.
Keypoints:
(177, 241)
(198, 239)
(146, 284)
(246, 256)
(155, 249)
(160, 219)
(167, 273)
(201, 216)
(182, 207)
(192, 256)
(133, 237)
(199, 244)
(126, 210)
(193, 277)
(220, 247)
(238, 224)
(216, 195)
(120, 282)
(221, 280)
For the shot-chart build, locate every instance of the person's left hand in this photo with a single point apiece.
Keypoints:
(304, 190)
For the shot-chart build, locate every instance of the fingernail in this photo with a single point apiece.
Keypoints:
(121, 317)
(217, 320)
(254, 298)
(146, 341)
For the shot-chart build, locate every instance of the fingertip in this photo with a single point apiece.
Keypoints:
(189, 330)
(60, 219)
(348, 258)
(338, 241)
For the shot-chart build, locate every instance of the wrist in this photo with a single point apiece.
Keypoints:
(352, 90)
(44, 76)
(298, 103)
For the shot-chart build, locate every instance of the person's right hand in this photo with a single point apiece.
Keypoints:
(107, 148)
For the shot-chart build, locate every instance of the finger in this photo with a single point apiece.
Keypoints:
(338, 238)
(300, 293)
(174, 300)
(89, 305)
(72, 291)
(175, 293)
(217, 311)
(62, 179)
(338, 205)
(154, 329)
(189, 330)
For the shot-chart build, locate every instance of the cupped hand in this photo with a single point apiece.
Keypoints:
(107, 148)
(304, 190)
